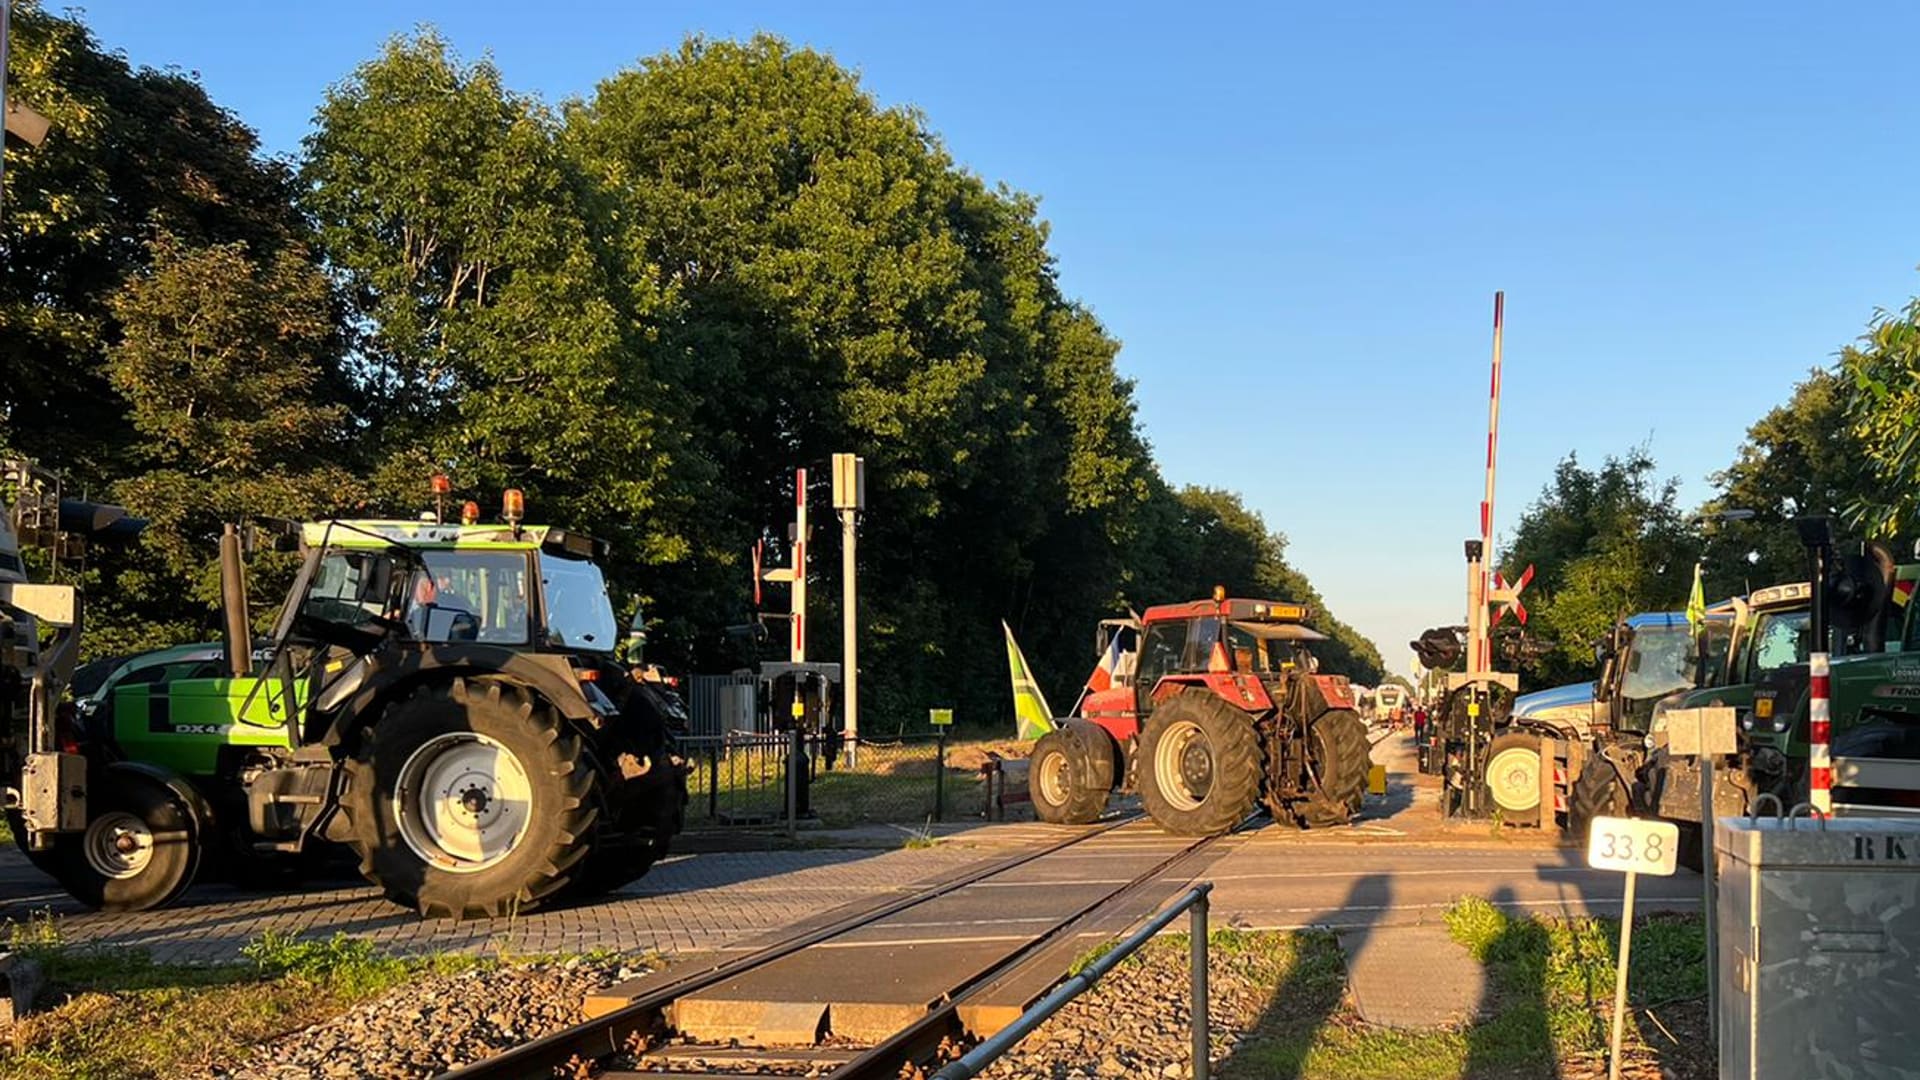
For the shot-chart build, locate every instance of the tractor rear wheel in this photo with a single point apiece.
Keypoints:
(625, 848)
(471, 798)
(1513, 777)
(1068, 777)
(1346, 757)
(1199, 765)
(1340, 760)
(140, 850)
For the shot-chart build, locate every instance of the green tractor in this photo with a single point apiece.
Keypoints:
(1874, 695)
(446, 700)
(1875, 687)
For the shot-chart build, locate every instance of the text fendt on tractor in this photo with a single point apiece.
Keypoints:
(446, 700)
(1207, 709)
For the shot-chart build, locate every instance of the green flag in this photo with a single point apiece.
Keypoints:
(1030, 711)
(1696, 602)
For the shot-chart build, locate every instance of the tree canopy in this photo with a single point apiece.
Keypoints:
(1604, 543)
(645, 308)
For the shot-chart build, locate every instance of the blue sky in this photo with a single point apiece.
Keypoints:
(1295, 216)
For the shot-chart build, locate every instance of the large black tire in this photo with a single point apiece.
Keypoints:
(1345, 757)
(471, 799)
(1597, 792)
(1069, 777)
(140, 851)
(1199, 771)
(1513, 777)
(624, 850)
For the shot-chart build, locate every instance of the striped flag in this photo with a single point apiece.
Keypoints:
(1103, 672)
(1032, 716)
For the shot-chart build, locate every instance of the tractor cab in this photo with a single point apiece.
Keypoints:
(1254, 639)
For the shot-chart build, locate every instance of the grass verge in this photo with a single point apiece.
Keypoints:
(1550, 990)
(126, 1016)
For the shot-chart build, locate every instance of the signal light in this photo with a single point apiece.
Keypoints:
(1219, 594)
(513, 506)
(469, 512)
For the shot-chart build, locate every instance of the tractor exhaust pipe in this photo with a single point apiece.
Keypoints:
(233, 604)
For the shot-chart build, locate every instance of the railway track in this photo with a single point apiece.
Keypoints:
(877, 991)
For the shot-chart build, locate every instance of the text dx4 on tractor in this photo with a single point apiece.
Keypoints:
(1207, 709)
(444, 699)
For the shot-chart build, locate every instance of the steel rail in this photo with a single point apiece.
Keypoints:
(914, 1044)
(606, 1035)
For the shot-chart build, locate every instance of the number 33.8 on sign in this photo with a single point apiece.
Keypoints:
(1633, 845)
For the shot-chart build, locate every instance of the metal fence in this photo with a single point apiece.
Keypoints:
(793, 779)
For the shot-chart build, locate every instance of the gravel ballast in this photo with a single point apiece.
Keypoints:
(437, 1022)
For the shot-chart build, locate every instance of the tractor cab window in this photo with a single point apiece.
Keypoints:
(350, 587)
(579, 615)
(1660, 662)
(1162, 645)
(1253, 655)
(1780, 638)
(1202, 634)
(476, 596)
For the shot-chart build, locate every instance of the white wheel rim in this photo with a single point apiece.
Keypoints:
(463, 802)
(1514, 777)
(1053, 779)
(1176, 760)
(118, 845)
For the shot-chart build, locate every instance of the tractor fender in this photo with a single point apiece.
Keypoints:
(1105, 752)
(1549, 729)
(548, 675)
(180, 786)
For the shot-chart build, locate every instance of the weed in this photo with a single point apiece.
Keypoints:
(40, 933)
(1092, 956)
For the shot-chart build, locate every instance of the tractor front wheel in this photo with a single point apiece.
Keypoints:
(1200, 765)
(1513, 777)
(471, 799)
(1068, 778)
(140, 850)
(1597, 792)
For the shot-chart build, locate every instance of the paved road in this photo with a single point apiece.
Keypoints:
(1402, 866)
(687, 902)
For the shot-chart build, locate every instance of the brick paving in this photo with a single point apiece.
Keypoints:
(687, 902)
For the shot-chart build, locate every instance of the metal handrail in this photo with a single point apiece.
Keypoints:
(1195, 902)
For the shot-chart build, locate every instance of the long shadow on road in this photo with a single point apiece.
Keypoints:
(1314, 987)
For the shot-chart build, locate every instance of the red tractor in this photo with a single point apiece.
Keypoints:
(1207, 709)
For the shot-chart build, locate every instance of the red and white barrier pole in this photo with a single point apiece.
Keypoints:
(1479, 644)
(1819, 734)
(799, 650)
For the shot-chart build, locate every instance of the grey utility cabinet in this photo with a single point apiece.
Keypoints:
(1819, 929)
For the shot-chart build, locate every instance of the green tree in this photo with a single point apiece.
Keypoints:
(844, 286)
(226, 362)
(1881, 392)
(499, 341)
(1604, 543)
(133, 150)
(1801, 458)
